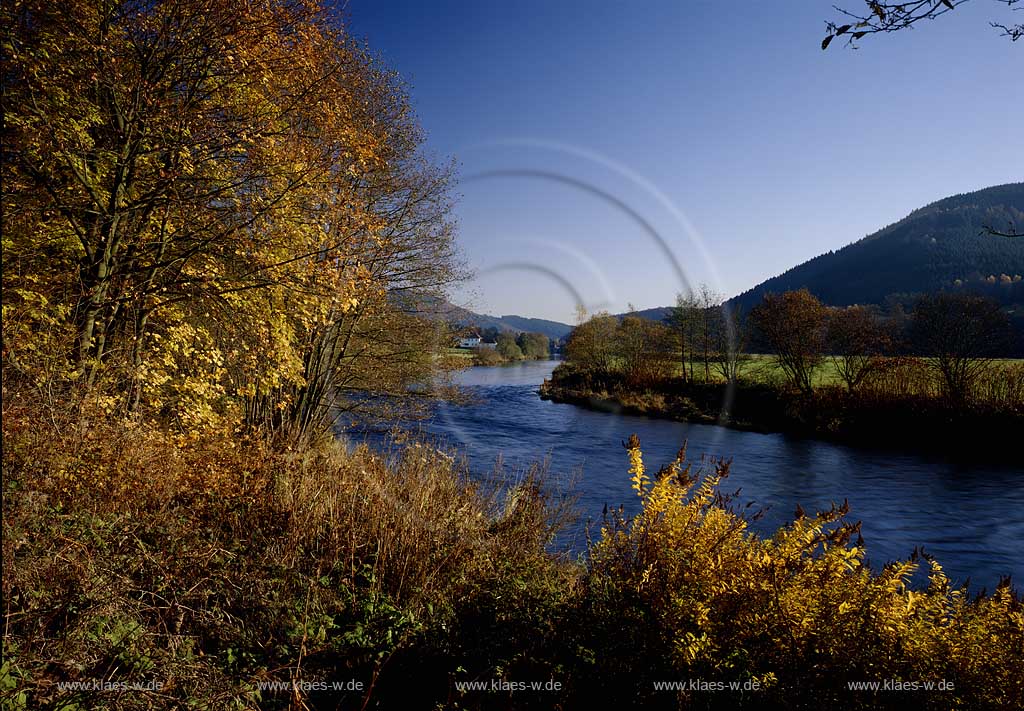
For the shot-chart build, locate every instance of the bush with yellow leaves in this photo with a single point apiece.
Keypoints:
(798, 616)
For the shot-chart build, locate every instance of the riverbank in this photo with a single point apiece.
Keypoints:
(206, 570)
(485, 357)
(912, 423)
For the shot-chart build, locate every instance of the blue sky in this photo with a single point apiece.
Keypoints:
(616, 153)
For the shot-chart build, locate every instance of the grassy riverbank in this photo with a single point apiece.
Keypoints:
(211, 565)
(465, 357)
(908, 419)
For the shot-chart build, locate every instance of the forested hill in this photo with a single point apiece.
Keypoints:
(941, 246)
(554, 330)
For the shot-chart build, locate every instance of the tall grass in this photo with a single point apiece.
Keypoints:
(212, 563)
(902, 377)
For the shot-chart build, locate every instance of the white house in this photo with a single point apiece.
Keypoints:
(471, 340)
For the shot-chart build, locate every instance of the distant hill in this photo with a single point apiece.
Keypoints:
(941, 246)
(551, 329)
(516, 324)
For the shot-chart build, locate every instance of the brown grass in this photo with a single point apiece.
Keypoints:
(212, 562)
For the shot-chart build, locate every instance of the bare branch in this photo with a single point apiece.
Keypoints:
(1011, 231)
(883, 17)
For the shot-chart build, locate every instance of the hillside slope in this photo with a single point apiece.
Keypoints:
(930, 249)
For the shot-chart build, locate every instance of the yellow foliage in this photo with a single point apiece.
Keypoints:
(636, 466)
(182, 231)
(801, 604)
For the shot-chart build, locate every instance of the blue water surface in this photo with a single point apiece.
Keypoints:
(969, 515)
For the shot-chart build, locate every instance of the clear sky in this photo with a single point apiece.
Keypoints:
(614, 152)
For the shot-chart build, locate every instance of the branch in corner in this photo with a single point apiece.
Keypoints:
(1011, 231)
(879, 17)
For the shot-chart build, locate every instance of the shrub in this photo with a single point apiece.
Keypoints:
(798, 613)
(487, 356)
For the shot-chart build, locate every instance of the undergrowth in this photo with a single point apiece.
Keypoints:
(207, 565)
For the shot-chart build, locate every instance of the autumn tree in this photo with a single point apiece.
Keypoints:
(591, 344)
(384, 333)
(206, 202)
(855, 343)
(961, 334)
(793, 324)
(152, 136)
(642, 349)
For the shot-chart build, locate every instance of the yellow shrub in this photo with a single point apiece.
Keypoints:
(799, 611)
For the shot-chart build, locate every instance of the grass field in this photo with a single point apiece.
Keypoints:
(460, 353)
(765, 368)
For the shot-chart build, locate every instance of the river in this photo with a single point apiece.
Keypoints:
(969, 515)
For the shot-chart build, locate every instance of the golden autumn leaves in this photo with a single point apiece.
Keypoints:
(200, 193)
(800, 605)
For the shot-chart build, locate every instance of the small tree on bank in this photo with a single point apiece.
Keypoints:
(591, 345)
(694, 320)
(643, 351)
(683, 320)
(508, 348)
(730, 343)
(793, 324)
(855, 341)
(533, 345)
(962, 334)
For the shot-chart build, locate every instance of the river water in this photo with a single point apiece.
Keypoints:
(968, 514)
